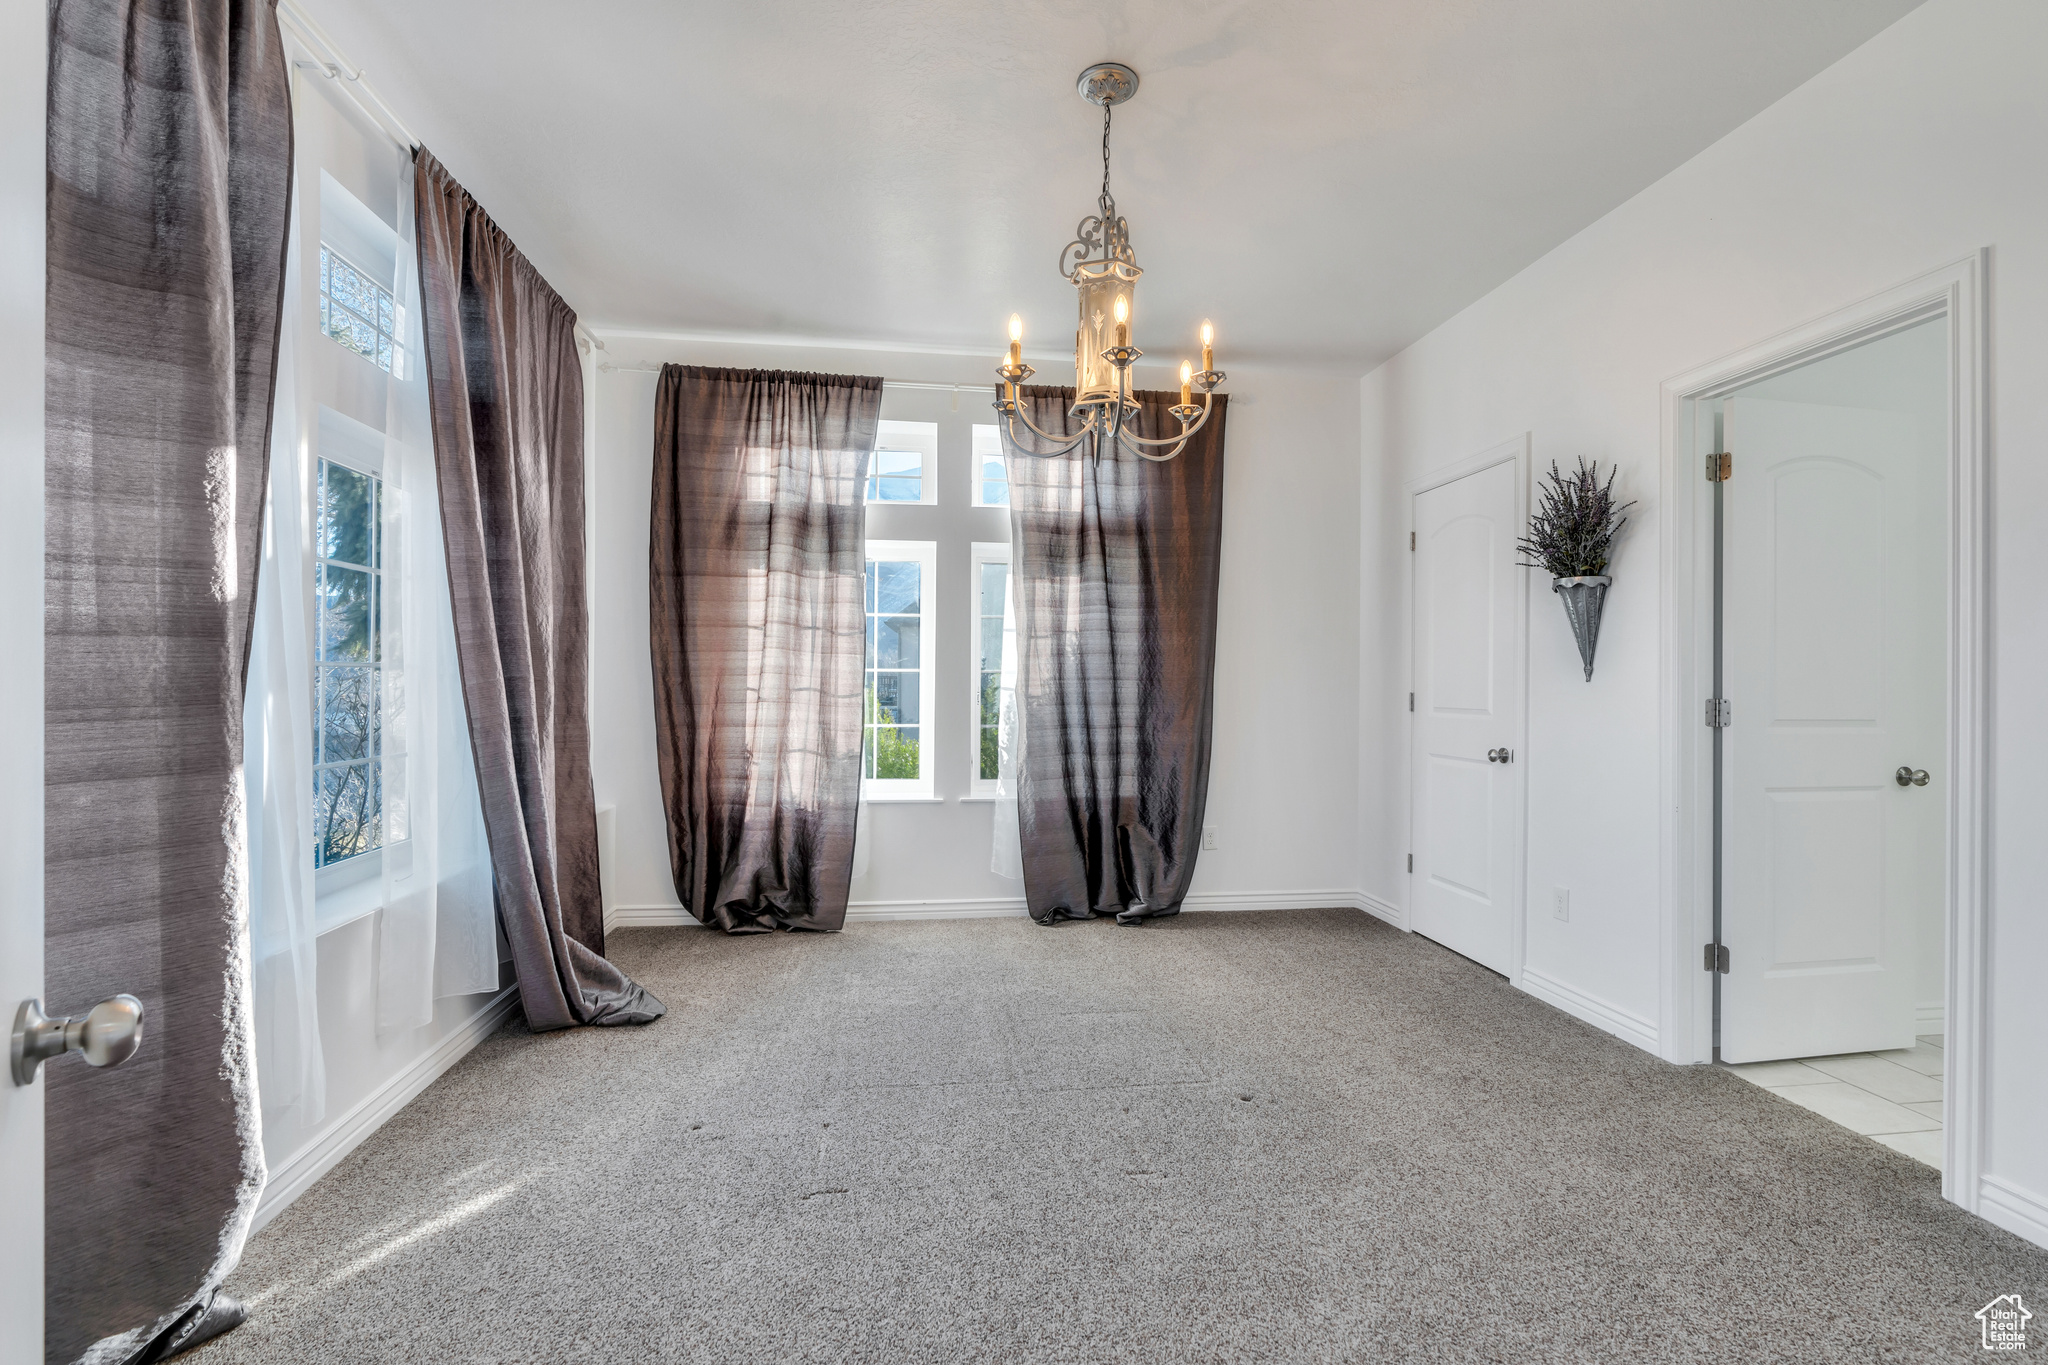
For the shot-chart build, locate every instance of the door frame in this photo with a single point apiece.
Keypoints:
(1955, 292)
(23, 226)
(1517, 452)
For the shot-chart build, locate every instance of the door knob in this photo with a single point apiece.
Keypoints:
(1910, 777)
(107, 1035)
(1500, 755)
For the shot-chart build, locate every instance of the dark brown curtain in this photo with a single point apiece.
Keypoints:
(506, 390)
(1114, 563)
(169, 159)
(755, 574)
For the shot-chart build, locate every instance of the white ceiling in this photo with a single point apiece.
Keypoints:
(1326, 180)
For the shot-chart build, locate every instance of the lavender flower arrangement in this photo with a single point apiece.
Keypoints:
(1572, 531)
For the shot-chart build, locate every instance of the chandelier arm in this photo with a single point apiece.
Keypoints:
(1163, 458)
(1066, 443)
(1182, 436)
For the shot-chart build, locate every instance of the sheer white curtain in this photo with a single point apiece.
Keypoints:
(1007, 857)
(436, 933)
(435, 924)
(277, 748)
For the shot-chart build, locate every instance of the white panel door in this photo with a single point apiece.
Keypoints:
(1834, 648)
(22, 80)
(1468, 715)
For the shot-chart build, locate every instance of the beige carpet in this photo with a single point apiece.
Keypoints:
(1290, 1136)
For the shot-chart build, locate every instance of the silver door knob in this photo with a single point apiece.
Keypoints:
(106, 1035)
(1500, 755)
(1910, 777)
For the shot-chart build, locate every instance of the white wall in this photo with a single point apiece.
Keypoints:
(1911, 153)
(1282, 794)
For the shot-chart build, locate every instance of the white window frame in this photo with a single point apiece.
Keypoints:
(919, 437)
(974, 458)
(924, 553)
(336, 444)
(979, 553)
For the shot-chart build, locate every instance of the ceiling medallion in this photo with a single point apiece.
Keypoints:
(1103, 269)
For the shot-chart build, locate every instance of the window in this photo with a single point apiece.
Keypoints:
(900, 583)
(905, 464)
(991, 473)
(348, 816)
(358, 312)
(990, 566)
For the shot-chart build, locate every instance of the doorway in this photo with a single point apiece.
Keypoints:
(1470, 621)
(1825, 584)
(1832, 632)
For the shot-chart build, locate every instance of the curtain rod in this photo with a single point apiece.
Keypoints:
(338, 68)
(610, 367)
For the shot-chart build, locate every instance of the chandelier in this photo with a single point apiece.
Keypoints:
(1103, 269)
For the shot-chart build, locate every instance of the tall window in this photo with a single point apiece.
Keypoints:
(899, 660)
(990, 564)
(348, 814)
(991, 474)
(905, 463)
(358, 312)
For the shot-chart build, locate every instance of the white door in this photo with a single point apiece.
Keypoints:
(1468, 715)
(21, 663)
(1834, 649)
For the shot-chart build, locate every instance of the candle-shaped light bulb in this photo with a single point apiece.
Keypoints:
(1123, 321)
(1208, 345)
(1187, 383)
(1016, 341)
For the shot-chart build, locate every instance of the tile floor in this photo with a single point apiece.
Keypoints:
(1892, 1097)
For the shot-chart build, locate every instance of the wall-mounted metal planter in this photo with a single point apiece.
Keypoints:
(1583, 599)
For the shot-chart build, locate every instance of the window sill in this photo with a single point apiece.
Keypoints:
(984, 800)
(903, 800)
(344, 907)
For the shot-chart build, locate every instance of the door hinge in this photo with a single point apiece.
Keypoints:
(1411, 701)
(1411, 540)
(1411, 862)
(1719, 714)
(1721, 467)
(1717, 958)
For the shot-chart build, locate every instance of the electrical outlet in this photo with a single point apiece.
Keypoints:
(1208, 837)
(1561, 902)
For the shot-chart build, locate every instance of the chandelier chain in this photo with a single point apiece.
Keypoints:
(1108, 201)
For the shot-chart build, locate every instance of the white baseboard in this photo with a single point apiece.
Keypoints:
(995, 907)
(646, 917)
(296, 1174)
(1930, 1018)
(2018, 1211)
(1272, 900)
(1609, 1018)
(1379, 909)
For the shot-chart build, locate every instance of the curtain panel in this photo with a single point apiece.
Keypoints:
(169, 155)
(756, 577)
(1114, 569)
(506, 393)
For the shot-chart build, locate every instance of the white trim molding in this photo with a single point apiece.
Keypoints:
(1381, 910)
(1604, 1015)
(1003, 907)
(297, 1172)
(1955, 292)
(2018, 1211)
